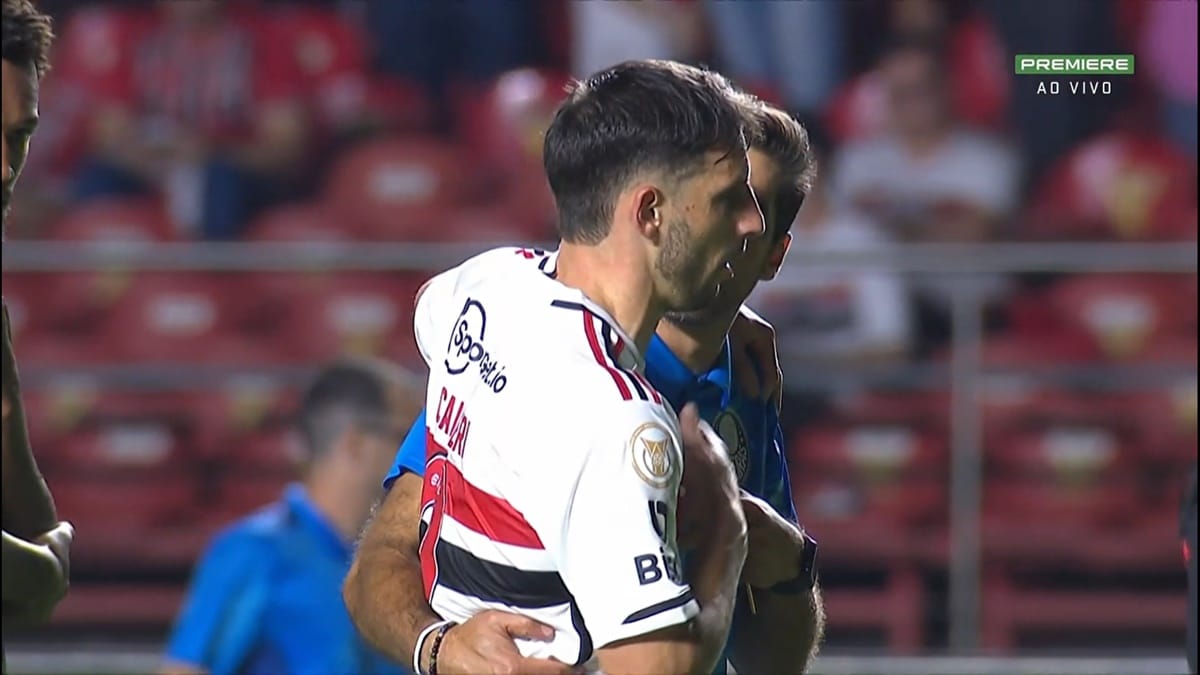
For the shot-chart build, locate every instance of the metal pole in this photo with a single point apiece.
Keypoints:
(966, 466)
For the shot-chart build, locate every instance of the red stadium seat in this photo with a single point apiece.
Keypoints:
(119, 483)
(873, 496)
(1066, 474)
(180, 318)
(889, 476)
(359, 314)
(1118, 186)
(300, 222)
(380, 179)
(116, 221)
(1123, 315)
(143, 606)
(240, 405)
(507, 122)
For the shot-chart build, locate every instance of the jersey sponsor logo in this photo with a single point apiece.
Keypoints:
(731, 430)
(651, 567)
(653, 454)
(466, 347)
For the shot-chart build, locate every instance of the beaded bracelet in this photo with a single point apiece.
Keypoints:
(429, 630)
(437, 646)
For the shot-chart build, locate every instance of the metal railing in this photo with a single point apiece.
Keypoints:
(967, 262)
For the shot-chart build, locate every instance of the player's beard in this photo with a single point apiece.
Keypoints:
(682, 270)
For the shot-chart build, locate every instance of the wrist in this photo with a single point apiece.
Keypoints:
(423, 649)
(806, 574)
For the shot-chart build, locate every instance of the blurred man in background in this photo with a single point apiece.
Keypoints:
(36, 545)
(266, 596)
(927, 179)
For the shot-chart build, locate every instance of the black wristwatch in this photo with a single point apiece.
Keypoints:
(806, 579)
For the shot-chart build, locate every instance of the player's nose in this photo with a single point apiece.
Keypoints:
(752, 223)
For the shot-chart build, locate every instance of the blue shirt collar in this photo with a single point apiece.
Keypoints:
(674, 379)
(306, 514)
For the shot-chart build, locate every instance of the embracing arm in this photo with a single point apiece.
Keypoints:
(781, 634)
(383, 590)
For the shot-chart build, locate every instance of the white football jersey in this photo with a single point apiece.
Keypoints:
(552, 464)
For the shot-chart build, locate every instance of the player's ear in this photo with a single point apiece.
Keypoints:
(778, 254)
(648, 214)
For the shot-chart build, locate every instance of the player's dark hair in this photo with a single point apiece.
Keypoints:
(785, 140)
(637, 116)
(347, 393)
(25, 36)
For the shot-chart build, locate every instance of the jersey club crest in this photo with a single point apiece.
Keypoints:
(729, 427)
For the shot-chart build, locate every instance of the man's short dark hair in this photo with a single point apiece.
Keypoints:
(25, 36)
(347, 393)
(785, 140)
(644, 115)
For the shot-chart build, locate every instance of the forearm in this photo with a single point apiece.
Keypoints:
(28, 569)
(386, 600)
(715, 584)
(781, 635)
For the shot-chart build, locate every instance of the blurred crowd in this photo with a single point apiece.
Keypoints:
(416, 121)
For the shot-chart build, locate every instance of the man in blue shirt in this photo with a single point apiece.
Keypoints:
(265, 597)
(779, 619)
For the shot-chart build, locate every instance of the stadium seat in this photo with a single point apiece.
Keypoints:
(116, 222)
(299, 222)
(147, 606)
(1066, 474)
(873, 496)
(1117, 186)
(180, 318)
(239, 405)
(360, 314)
(254, 470)
(507, 121)
(929, 410)
(881, 478)
(120, 483)
(1013, 608)
(1123, 314)
(377, 180)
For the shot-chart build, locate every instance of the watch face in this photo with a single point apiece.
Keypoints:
(731, 430)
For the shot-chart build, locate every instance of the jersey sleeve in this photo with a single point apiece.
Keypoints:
(433, 315)
(410, 458)
(218, 625)
(607, 515)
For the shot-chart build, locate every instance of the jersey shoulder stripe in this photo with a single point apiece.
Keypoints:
(605, 347)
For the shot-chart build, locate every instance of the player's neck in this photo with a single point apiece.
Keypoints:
(697, 345)
(606, 276)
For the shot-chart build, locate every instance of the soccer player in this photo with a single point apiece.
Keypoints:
(554, 464)
(36, 544)
(266, 596)
(688, 359)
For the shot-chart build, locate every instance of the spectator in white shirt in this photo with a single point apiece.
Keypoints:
(835, 315)
(927, 179)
